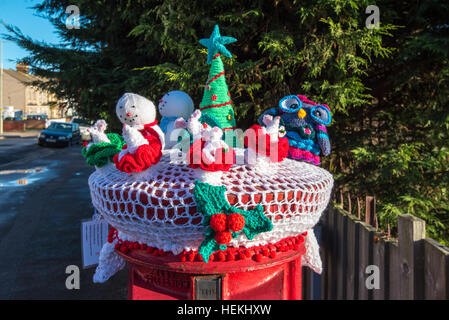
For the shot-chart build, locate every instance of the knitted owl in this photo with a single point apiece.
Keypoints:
(305, 122)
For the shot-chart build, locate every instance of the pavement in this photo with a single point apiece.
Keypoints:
(44, 196)
(20, 134)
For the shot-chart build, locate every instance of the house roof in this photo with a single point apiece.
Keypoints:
(22, 77)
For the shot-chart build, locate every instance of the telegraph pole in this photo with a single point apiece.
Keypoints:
(1, 87)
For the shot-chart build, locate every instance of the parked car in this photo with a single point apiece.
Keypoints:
(84, 126)
(60, 134)
(37, 117)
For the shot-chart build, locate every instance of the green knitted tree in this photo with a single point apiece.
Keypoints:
(216, 106)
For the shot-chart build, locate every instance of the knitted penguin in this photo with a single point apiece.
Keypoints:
(144, 139)
(305, 122)
(172, 106)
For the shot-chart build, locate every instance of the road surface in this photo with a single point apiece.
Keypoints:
(40, 223)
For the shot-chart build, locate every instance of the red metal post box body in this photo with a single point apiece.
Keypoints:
(166, 278)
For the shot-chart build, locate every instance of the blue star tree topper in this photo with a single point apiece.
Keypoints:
(215, 43)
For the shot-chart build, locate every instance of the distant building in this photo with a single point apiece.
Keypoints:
(29, 100)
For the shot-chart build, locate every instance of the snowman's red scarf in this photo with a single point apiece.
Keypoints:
(145, 156)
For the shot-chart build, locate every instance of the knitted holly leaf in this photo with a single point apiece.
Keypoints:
(100, 154)
(255, 221)
(208, 247)
(211, 201)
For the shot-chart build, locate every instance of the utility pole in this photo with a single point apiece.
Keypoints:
(1, 87)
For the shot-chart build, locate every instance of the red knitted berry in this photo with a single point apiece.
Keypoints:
(259, 257)
(230, 256)
(235, 222)
(124, 249)
(242, 256)
(191, 256)
(150, 250)
(223, 237)
(218, 222)
(143, 246)
(183, 258)
(273, 254)
(221, 256)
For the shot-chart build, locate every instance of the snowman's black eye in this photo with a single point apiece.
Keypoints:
(132, 106)
(121, 107)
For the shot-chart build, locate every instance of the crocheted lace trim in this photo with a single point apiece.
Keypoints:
(157, 206)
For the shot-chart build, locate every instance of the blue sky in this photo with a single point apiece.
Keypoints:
(20, 14)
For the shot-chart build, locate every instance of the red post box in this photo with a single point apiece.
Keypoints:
(167, 278)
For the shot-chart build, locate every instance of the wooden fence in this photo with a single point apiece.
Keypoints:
(355, 254)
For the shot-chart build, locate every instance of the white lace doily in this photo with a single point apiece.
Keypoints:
(157, 207)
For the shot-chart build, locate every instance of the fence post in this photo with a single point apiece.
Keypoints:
(370, 211)
(436, 270)
(411, 233)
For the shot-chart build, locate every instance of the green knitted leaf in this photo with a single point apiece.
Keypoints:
(101, 154)
(210, 200)
(208, 247)
(256, 222)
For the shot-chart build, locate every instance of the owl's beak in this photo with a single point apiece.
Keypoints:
(302, 113)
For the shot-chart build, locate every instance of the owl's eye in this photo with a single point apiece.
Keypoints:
(290, 104)
(321, 115)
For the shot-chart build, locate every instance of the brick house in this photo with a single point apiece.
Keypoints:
(18, 92)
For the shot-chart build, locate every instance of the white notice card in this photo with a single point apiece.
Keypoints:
(94, 235)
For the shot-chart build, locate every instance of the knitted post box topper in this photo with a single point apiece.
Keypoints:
(267, 143)
(172, 106)
(103, 147)
(305, 122)
(144, 139)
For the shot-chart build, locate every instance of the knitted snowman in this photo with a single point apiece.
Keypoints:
(144, 138)
(174, 105)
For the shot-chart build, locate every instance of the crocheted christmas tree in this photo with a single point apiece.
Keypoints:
(216, 106)
(225, 222)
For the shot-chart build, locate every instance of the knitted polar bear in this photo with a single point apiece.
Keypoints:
(144, 139)
(174, 105)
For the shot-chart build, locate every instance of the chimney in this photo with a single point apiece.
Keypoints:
(21, 67)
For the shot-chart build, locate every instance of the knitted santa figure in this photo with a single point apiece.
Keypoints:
(209, 155)
(266, 145)
(144, 139)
